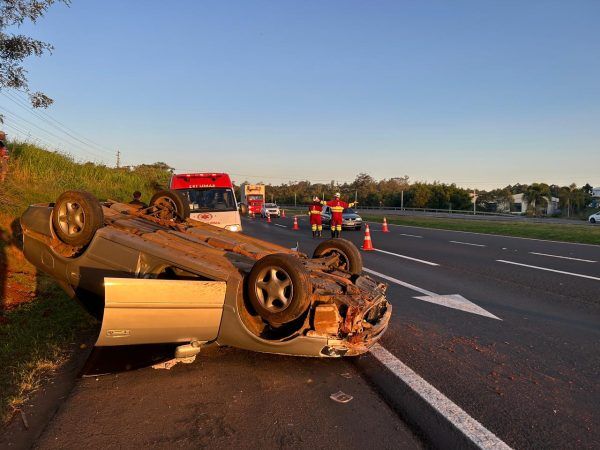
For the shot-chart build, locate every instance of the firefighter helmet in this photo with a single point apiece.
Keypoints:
(337, 195)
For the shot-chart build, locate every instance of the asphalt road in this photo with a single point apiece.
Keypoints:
(531, 378)
(228, 398)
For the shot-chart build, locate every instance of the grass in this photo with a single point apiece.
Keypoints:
(551, 231)
(38, 323)
(34, 342)
(37, 175)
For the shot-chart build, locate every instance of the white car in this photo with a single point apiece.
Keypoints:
(595, 218)
(270, 208)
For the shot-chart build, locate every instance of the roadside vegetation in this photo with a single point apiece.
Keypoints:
(395, 192)
(39, 324)
(584, 234)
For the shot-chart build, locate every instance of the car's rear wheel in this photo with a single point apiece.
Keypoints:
(279, 288)
(349, 256)
(76, 217)
(170, 205)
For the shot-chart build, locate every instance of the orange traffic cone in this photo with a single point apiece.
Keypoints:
(385, 228)
(367, 243)
(268, 218)
(296, 227)
(283, 213)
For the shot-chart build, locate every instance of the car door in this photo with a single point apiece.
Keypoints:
(326, 215)
(153, 311)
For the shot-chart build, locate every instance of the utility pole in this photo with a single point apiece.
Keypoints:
(402, 200)
(118, 159)
(474, 202)
(294, 199)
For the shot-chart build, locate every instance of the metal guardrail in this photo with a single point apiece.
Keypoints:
(398, 210)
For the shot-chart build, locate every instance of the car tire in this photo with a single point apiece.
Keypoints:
(75, 217)
(170, 205)
(592, 220)
(351, 258)
(279, 288)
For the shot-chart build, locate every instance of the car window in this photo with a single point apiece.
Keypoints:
(349, 211)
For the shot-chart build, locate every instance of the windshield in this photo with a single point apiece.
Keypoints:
(270, 205)
(255, 197)
(210, 199)
(349, 211)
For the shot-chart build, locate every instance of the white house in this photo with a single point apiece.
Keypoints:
(520, 205)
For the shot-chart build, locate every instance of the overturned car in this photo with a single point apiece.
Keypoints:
(155, 276)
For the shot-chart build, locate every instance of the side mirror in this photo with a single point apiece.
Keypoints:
(243, 208)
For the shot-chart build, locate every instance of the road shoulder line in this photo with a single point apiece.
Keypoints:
(463, 424)
(400, 282)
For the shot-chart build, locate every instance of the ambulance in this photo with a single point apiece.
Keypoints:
(212, 198)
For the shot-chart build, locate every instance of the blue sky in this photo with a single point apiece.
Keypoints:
(481, 93)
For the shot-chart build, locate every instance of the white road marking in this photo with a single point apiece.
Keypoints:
(549, 270)
(563, 257)
(492, 235)
(279, 225)
(457, 301)
(411, 235)
(468, 243)
(407, 257)
(400, 282)
(467, 425)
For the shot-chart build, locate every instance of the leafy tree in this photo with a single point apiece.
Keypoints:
(536, 194)
(15, 48)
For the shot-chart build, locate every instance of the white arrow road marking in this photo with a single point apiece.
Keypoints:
(407, 257)
(550, 270)
(455, 301)
(467, 425)
(563, 257)
(467, 243)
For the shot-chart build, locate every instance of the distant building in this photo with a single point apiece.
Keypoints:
(520, 205)
(595, 197)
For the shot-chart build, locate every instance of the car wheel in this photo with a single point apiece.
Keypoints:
(592, 220)
(350, 258)
(76, 217)
(279, 288)
(170, 205)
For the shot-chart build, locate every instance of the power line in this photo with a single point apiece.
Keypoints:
(52, 134)
(49, 120)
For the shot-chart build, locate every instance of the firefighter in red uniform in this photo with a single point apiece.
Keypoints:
(337, 208)
(314, 211)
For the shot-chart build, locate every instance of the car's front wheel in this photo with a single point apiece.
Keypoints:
(592, 220)
(75, 217)
(279, 288)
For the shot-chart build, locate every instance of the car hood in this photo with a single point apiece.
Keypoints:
(351, 216)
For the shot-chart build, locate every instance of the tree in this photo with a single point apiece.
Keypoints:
(15, 48)
(535, 194)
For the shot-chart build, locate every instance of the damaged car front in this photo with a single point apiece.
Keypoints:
(154, 276)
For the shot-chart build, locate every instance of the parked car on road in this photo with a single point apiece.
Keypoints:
(154, 276)
(270, 208)
(594, 218)
(350, 218)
